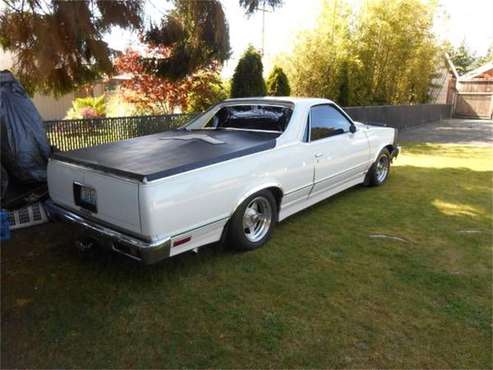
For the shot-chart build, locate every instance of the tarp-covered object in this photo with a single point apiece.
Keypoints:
(24, 145)
(4, 182)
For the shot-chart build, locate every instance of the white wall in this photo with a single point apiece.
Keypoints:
(6, 60)
(51, 108)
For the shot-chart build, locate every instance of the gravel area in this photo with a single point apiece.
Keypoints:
(456, 131)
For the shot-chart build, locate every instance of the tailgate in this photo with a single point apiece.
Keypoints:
(116, 199)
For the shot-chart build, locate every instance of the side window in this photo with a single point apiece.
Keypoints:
(326, 121)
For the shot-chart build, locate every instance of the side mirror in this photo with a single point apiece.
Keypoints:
(352, 129)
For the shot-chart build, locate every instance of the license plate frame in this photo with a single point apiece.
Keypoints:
(85, 197)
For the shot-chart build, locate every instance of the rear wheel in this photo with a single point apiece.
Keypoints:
(379, 171)
(252, 223)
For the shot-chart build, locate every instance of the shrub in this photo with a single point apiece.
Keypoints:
(118, 106)
(89, 107)
(277, 83)
(247, 78)
(207, 89)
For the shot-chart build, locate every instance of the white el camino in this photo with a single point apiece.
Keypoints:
(229, 175)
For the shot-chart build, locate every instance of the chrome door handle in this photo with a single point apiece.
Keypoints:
(318, 155)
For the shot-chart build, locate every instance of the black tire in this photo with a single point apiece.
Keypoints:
(237, 235)
(374, 176)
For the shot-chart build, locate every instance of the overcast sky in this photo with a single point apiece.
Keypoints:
(457, 20)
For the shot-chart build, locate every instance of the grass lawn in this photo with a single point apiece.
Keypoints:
(321, 293)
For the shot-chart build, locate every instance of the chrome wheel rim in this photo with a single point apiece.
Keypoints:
(382, 168)
(257, 219)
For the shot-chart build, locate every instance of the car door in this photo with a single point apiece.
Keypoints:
(341, 152)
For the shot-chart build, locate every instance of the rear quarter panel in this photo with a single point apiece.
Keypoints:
(379, 138)
(180, 203)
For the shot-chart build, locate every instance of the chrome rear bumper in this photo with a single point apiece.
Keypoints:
(147, 252)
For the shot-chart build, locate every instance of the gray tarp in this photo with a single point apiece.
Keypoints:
(24, 145)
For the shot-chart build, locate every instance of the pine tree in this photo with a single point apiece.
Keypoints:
(247, 78)
(277, 83)
(59, 45)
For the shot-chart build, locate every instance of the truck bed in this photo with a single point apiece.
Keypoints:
(152, 157)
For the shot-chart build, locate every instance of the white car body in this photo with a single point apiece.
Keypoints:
(187, 210)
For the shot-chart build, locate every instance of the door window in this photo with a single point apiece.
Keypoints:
(325, 121)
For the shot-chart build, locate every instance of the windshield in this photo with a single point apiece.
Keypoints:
(250, 117)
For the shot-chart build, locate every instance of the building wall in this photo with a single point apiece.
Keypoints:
(49, 107)
(446, 92)
(53, 108)
(438, 93)
(6, 60)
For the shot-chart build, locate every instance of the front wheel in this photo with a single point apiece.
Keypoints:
(252, 223)
(379, 171)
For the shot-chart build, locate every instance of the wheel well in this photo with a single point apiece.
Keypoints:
(277, 194)
(390, 148)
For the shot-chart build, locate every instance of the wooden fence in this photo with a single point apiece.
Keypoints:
(474, 105)
(400, 116)
(81, 133)
(474, 98)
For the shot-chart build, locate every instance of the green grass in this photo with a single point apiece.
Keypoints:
(321, 293)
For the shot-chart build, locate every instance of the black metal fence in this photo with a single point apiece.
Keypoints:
(81, 133)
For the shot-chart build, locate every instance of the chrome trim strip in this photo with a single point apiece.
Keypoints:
(335, 185)
(328, 178)
(200, 226)
(298, 189)
(359, 167)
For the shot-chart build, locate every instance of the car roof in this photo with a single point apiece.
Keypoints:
(288, 99)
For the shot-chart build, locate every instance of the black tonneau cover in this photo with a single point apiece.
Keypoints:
(160, 155)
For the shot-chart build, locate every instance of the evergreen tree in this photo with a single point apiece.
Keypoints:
(462, 58)
(484, 59)
(59, 45)
(277, 83)
(247, 78)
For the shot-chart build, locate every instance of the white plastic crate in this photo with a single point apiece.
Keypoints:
(27, 216)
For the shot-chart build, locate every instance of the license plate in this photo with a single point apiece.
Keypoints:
(88, 195)
(85, 197)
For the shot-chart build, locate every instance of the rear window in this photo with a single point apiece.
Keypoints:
(251, 117)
